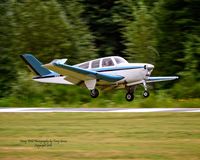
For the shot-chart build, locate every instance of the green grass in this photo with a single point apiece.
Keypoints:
(100, 136)
(154, 101)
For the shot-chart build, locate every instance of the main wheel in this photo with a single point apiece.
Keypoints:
(94, 93)
(129, 96)
(146, 94)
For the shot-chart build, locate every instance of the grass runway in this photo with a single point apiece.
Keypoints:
(100, 136)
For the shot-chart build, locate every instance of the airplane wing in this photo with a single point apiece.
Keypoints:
(76, 74)
(159, 79)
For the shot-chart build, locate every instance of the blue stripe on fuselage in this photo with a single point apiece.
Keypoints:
(106, 69)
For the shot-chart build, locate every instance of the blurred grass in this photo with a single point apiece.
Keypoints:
(96, 136)
(154, 101)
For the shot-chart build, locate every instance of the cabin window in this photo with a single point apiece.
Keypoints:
(107, 62)
(120, 60)
(84, 65)
(95, 64)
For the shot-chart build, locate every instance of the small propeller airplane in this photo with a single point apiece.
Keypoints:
(107, 73)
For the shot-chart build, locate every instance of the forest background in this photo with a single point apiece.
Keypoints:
(165, 33)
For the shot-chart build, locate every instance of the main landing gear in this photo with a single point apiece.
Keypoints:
(130, 93)
(131, 89)
(90, 84)
(129, 96)
(94, 93)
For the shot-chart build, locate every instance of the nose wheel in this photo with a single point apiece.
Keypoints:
(146, 94)
(94, 93)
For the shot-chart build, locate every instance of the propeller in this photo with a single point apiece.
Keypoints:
(149, 68)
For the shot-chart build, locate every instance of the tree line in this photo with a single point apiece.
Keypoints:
(163, 32)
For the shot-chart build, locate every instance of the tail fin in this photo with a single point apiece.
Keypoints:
(36, 66)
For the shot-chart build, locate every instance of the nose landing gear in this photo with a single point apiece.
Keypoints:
(146, 94)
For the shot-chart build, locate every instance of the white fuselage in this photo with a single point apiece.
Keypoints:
(133, 73)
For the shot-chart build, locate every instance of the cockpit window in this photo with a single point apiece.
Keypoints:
(107, 62)
(84, 65)
(120, 60)
(95, 64)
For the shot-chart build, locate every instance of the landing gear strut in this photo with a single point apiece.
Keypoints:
(94, 93)
(145, 93)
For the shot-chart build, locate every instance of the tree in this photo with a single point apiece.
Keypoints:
(7, 69)
(99, 17)
(176, 19)
(83, 41)
(189, 85)
(42, 28)
(140, 35)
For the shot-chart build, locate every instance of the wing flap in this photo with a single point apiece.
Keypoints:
(159, 79)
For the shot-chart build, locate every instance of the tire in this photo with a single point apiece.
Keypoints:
(129, 97)
(146, 94)
(94, 93)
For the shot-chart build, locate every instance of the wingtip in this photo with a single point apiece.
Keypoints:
(21, 56)
(25, 54)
